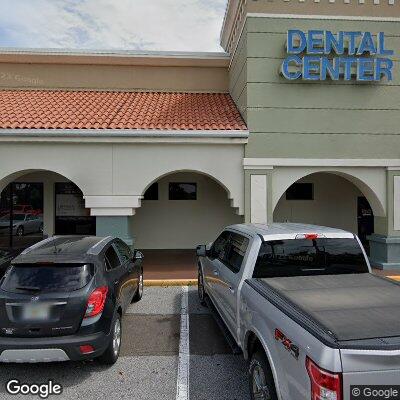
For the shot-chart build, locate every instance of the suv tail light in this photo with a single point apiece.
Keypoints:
(96, 301)
(324, 385)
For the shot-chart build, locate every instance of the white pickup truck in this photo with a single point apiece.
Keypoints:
(302, 304)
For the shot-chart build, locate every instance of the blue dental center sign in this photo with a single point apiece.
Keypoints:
(317, 55)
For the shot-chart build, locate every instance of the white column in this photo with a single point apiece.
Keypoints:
(259, 199)
(48, 206)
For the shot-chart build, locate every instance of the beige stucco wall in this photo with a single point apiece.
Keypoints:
(334, 204)
(113, 77)
(179, 224)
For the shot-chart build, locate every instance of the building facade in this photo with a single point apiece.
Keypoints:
(298, 121)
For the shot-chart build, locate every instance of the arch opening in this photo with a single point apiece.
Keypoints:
(180, 210)
(329, 199)
(38, 203)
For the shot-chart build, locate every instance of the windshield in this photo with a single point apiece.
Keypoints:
(300, 257)
(47, 278)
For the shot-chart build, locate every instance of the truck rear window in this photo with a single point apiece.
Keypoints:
(34, 278)
(302, 257)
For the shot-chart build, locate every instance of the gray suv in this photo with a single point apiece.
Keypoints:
(64, 299)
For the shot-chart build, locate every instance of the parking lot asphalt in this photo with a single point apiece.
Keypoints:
(149, 360)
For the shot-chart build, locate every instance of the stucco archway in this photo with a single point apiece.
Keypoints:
(371, 182)
(55, 191)
(330, 199)
(170, 223)
(233, 201)
(9, 176)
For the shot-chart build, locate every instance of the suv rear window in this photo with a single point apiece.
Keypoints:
(34, 278)
(302, 257)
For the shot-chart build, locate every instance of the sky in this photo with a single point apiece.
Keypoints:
(169, 25)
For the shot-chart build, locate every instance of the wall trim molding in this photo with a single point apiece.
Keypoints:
(114, 57)
(266, 163)
(258, 167)
(124, 136)
(324, 17)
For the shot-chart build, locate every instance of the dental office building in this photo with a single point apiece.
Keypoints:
(298, 121)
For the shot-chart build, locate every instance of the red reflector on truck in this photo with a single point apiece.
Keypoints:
(325, 385)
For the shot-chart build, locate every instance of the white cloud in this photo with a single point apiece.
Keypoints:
(181, 25)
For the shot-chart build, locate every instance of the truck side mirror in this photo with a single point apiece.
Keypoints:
(201, 250)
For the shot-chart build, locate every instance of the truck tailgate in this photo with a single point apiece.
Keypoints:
(370, 367)
(371, 378)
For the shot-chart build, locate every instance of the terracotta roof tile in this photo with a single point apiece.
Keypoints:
(58, 109)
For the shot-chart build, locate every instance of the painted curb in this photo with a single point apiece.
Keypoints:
(193, 282)
(170, 282)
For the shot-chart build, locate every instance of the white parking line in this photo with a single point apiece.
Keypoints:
(182, 384)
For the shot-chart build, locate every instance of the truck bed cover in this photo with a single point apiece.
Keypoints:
(345, 311)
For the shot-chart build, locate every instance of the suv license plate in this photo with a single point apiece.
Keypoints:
(36, 312)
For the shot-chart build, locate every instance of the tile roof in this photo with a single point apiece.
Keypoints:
(60, 109)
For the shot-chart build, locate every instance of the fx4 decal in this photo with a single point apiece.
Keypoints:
(287, 343)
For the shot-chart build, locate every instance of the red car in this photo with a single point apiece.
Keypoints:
(25, 209)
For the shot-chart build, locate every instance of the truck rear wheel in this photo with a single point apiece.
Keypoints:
(261, 380)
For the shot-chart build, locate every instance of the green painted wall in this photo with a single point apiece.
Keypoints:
(238, 76)
(115, 226)
(313, 120)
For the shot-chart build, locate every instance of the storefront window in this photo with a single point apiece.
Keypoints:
(21, 215)
(182, 191)
(300, 191)
(71, 216)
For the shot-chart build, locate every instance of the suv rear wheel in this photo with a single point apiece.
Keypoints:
(261, 380)
(110, 356)
(139, 292)
(200, 289)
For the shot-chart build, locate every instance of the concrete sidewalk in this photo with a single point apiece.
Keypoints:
(179, 268)
(170, 267)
